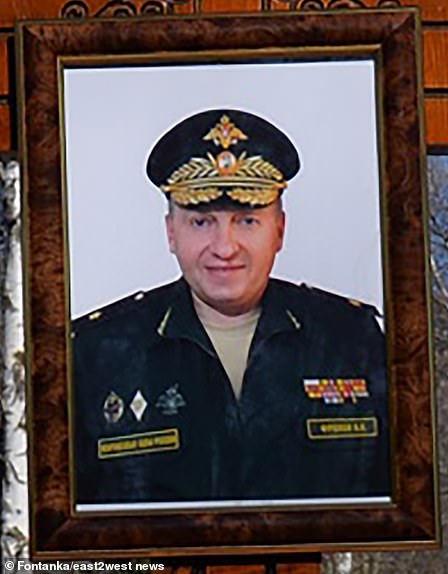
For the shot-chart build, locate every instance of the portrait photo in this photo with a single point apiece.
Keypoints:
(213, 365)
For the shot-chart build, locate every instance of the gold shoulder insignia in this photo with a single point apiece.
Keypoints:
(293, 319)
(161, 328)
(95, 315)
(365, 306)
(107, 312)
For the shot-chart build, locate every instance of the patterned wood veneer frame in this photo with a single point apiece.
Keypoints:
(412, 518)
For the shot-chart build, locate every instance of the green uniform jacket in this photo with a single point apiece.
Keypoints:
(156, 418)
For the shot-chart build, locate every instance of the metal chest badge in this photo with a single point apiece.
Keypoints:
(336, 391)
(170, 401)
(138, 405)
(113, 408)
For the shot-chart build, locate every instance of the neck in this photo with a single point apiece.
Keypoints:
(220, 317)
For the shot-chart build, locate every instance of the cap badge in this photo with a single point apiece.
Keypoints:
(225, 133)
(113, 408)
(336, 391)
(226, 163)
(170, 401)
(138, 405)
(248, 180)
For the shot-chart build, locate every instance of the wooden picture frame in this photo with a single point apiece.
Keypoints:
(408, 516)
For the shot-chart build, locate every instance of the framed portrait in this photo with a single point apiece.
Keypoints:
(227, 284)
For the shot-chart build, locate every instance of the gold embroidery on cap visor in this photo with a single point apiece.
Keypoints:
(249, 180)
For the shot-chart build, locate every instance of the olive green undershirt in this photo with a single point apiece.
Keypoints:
(231, 338)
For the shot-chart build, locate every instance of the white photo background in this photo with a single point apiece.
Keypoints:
(114, 116)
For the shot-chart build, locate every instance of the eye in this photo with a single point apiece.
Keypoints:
(200, 222)
(249, 220)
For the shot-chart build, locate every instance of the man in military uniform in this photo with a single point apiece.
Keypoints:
(227, 384)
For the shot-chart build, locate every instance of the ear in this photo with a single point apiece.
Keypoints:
(281, 222)
(169, 226)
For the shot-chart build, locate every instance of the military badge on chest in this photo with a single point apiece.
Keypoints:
(138, 405)
(336, 391)
(339, 392)
(113, 408)
(170, 401)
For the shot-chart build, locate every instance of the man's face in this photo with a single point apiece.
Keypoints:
(226, 256)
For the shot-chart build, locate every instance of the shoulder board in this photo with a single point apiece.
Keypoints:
(109, 311)
(350, 303)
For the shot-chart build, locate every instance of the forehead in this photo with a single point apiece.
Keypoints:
(224, 209)
(218, 212)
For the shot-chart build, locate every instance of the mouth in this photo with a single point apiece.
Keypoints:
(224, 269)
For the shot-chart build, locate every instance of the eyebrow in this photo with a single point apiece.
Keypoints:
(232, 212)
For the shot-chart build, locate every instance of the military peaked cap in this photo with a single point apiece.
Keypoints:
(223, 154)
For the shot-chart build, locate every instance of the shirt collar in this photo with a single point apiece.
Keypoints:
(180, 320)
(276, 317)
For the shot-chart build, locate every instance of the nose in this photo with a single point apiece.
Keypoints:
(224, 244)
